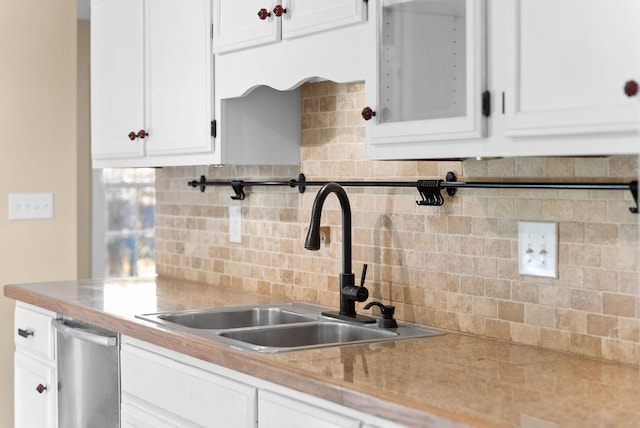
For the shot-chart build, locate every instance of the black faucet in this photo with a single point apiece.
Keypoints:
(349, 292)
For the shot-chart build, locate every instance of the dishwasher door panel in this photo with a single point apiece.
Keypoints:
(88, 376)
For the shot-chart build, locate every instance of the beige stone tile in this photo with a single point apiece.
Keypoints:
(586, 345)
(620, 304)
(601, 325)
(559, 167)
(630, 329)
(591, 167)
(623, 352)
(527, 334)
(500, 289)
(510, 311)
(529, 167)
(540, 315)
(498, 329)
(601, 279)
(524, 292)
(585, 300)
(620, 258)
(569, 320)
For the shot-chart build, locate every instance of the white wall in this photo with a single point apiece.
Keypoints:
(38, 153)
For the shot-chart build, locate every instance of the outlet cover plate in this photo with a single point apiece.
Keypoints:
(30, 206)
(538, 249)
(235, 224)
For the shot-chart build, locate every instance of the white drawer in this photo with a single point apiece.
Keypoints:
(191, 393)
(33, 332)
(278, 411)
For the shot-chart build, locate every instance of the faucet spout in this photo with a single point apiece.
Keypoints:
(349, 292)
(312, 242)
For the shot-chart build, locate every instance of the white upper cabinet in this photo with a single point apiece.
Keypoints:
(117, 78)
(179, 77)
(242, 24)
(560, 78)
(568, 64)
(427, 76)
(151, 82)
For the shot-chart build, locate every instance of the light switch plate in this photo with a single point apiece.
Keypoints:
(538, 249)
(235, 224)
(30, 206)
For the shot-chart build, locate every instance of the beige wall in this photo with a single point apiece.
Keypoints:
(453, 267)
(38, 153)
(84, 150)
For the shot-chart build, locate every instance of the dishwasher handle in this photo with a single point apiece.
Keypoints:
(109, 341)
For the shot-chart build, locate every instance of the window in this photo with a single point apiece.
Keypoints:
(124, 217)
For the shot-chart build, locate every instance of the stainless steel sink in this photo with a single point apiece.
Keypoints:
(310, 334)
(218, 319)
(279, 328)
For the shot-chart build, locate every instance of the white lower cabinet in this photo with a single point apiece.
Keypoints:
(35, 382)
(157, 388)
(163, 388)
(35, 406)
(140, 417)
(279, 411)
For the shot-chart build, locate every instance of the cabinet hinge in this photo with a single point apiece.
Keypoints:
(486, 103)
(214, 131)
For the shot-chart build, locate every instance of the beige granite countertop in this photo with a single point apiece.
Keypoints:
(444, 381)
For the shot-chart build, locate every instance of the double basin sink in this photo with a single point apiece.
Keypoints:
(278, 328)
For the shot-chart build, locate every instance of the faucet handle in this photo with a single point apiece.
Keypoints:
(387, 312)
(363, 276)
(359, 294)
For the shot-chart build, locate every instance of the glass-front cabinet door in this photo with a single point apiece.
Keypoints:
(427, 76)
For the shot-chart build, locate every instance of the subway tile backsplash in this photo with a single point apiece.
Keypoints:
(453, 267)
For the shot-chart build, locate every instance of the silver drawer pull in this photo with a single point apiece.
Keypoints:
(25, 333)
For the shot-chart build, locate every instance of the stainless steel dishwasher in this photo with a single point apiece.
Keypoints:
(88, 375)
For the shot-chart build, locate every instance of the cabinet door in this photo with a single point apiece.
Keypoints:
(238, 25)
(117, 70)
(185, 392)
(138, 417)
(278, 411)
(178, 76)
(304, 17)
(429, 76)
(34, 405)
(568, 62)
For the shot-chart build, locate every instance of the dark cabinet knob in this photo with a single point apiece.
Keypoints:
(368, 113)
(631, 88)
(279, 10)
(41, 388)
(141, 134)
(263, 14)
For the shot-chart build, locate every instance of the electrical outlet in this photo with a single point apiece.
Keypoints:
(538, 249)
(30, 206)
(325, 235)
(235, 224)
